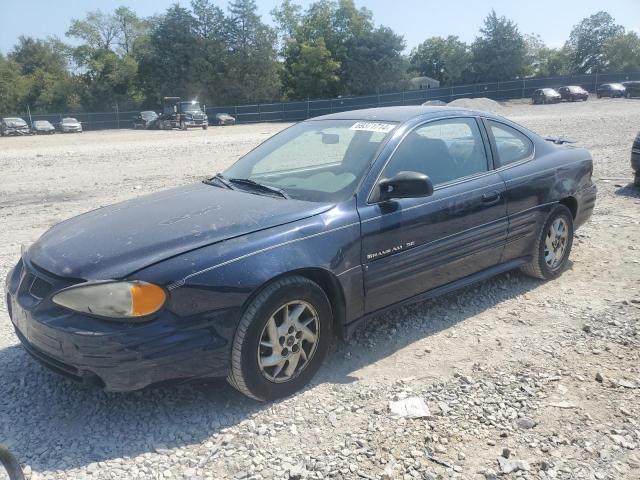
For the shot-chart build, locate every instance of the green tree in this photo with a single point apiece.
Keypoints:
(253, 74)
(210, 51)
(287, 18)
(313, 74)
(13, 87)
(97, 29)
(129, 29)
(46, 81)
(374, 62)
(499, 53)
(622, 53)
(587, 40)
(445, 59)
(543, 61)
(167, 67)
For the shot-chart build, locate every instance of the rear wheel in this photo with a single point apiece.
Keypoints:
(636, 179)
(553, 245)
(183, 126)
(281, 340)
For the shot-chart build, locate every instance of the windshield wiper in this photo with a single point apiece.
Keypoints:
(252, 183)
(220, 179)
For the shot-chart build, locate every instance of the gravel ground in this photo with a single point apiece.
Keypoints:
(522, 378)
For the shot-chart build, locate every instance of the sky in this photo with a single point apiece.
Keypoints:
(416, 20)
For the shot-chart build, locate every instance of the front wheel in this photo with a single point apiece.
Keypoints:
(281, 340)
(553, 245)
(183, 126)
(636, 180)
(205, 126)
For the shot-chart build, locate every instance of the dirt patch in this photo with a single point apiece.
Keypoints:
(483, 104)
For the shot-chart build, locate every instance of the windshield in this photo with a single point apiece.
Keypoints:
(617, 86)
(69, 120)
(190, 106)
(42, 123)
(576, 89)
(549, 91)
(318, 161)
(148, 115)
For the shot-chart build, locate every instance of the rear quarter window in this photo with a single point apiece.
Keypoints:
(511, 145)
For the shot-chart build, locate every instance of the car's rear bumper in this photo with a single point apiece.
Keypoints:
(117, 356)
(586, 203)
(635, 155)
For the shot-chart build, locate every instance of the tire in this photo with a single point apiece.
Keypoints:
(183, 126)
(205, 126)
(252, 340)
(10, 464)
(538, 267)
(598, 95)
(636, 179)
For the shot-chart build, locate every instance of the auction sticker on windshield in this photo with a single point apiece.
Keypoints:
(373, 127)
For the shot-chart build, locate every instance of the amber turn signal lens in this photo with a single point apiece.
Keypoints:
(146, 299)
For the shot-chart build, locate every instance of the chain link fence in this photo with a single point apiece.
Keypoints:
(300, 110)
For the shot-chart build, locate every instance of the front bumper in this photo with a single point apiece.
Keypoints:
(17, 131)
(115, 356)
(195, 123)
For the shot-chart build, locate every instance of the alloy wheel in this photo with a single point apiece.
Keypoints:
(288, 341)
(555, 243)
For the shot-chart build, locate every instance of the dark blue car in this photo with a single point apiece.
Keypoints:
(250, 274)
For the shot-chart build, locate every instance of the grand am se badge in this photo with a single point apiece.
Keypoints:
(389, 251)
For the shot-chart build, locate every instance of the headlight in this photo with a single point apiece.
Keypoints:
(118, 300)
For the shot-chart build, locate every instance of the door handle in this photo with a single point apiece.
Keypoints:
(491, 197)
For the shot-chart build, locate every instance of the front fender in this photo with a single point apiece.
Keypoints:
(225, 275)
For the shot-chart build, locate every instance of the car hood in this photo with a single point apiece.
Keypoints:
(115, 241)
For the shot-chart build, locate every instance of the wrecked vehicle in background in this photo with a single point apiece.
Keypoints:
(573, 93)
(612, 90)
(14, 126)
(70, 125)
(224, 119)
(146, 119)
(544, 96)
(43, 127)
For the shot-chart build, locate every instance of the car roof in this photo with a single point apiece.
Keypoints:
(401, 114)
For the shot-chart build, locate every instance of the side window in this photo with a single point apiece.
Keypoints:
(444, 150)
(512, 145)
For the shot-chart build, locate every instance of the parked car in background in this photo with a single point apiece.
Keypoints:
(146, 119)
(224, 119)
(631, 89)
(43, 127)
(14, 126)
(250, 274)
(544, 96)
(613, 90)
(635, 160)
(70, 125)
(573, 93)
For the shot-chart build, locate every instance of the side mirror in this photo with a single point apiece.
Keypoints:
(405, 185)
